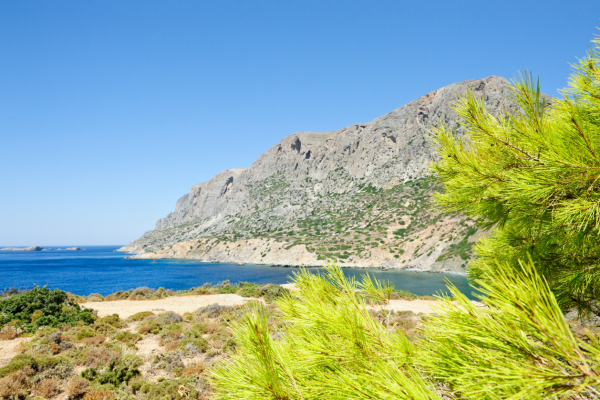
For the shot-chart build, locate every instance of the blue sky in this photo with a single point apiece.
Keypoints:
(111, 110)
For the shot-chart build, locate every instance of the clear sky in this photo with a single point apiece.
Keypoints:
(111, 110)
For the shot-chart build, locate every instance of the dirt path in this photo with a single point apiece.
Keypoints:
(180, 305)
(9, 349)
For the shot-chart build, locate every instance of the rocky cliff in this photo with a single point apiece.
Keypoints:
(358, 195)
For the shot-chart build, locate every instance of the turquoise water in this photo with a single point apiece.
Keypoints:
(99, 269)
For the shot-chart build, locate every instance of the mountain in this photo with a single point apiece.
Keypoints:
(359, 195)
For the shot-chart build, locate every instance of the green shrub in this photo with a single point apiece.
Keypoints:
(37, 363)
(114, 375)
(167, 389)
(85, 333)
(140, 316)
(191, 345)
(110, 320)
(42, 307)
(129, 338)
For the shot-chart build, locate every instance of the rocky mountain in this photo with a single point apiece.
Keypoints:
(358, 195)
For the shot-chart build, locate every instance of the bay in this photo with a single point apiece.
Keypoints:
(99, 269)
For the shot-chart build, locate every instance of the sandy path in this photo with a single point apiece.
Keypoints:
(9, 349)
(180, 305)
(183, 304)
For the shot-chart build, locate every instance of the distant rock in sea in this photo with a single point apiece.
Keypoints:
(30, 248)
(74, 248)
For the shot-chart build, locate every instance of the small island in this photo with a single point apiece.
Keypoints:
(30, 248)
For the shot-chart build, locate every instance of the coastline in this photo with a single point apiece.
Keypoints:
(408, 268)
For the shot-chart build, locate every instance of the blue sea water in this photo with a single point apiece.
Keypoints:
(99, 269)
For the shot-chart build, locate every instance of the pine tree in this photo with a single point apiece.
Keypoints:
(533, 178)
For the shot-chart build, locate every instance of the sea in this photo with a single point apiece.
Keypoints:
(100, 269)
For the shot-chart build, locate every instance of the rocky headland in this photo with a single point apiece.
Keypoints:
(359, 196)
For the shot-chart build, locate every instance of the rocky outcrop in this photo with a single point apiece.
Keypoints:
(360, 185)
(30, 248)
(74, 248)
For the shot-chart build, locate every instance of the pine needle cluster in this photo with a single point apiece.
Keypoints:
(518, 346)
(533, 175)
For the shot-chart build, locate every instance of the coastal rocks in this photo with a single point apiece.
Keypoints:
(74, 249)
(30, 248)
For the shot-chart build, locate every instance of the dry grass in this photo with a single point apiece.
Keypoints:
(14, 385)
(77, 387)
(99, 395)
(47, 388)
(194, 369)
(90, 341)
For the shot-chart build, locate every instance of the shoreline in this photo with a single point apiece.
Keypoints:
(134, 256)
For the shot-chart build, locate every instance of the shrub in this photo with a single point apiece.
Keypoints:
(101, 355)
(47, 388)
(42, 307)
(170, 389)
(115, 374)
(101, 394)
(170, 362)
(129, 338)
(194, 369)
(213, 311)
(13, 386)
(17, 363)
(191, 346)
(110, 320)
(95, 297)
(98, 339)
(85, 333)
(140, 316)
(77, 387)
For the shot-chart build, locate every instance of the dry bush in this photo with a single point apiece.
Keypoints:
(194, 369)
(217, 344)
(96, 356)
(9, 333)
(47, 388)
(171, 345)
(99, 395)
(90, 341)
(212, 327)
(77, 387)
(14, 385)
(54, 348)
(95, 297)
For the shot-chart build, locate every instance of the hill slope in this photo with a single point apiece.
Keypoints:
(358, 195)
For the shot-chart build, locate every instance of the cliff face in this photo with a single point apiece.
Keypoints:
(360, 188)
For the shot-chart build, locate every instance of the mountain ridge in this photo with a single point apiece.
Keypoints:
(314, 191)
